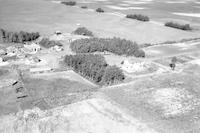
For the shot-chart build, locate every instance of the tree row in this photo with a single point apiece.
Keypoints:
(115, 45)
(17, 37)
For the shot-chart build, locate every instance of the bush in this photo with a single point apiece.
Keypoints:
(69, 3)
(15, 37)
(112, 75)
(46, 43)
(138, 17)
(178, 26)
(84, 7)
(95, 68)
(83, 31)
(115, 45)
(99, 10)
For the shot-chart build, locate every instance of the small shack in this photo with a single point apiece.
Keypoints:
(58, 32)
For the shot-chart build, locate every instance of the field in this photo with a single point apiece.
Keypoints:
(169, 103)
(152, 98)
(98, 115)
(44, 16)
(42, 90)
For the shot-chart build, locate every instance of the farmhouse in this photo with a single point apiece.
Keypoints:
(58, 32)
(33, 48)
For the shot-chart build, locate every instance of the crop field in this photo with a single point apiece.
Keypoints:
(44, 16)
(43, 91)
(169, 103)
(181, 60)
(172, 49)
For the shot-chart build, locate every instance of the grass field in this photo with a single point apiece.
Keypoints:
(169, 103)
(43, 91)
(44, 16)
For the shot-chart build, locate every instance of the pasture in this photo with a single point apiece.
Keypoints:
(169, 103)
(44, 17)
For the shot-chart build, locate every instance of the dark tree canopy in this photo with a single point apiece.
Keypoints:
(138, 17)
(82, 31)
(112, 74)
(115, 45)
(178, 26)
(99, 10)
(46, 43)
(15, 37)
(94, 67)
(69, 3)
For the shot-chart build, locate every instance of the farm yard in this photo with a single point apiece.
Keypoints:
(99, 66)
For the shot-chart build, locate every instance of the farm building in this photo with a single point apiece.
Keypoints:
(58, 32)
(32, 47)
(57, 48)
(12, 50)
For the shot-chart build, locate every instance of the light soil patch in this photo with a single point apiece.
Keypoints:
(136, 2)
(188, 14)
(174, 101)
(124, 8)
(175, 2)
(94, 116)
(195, 62)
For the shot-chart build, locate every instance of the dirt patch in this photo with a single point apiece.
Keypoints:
(94, 115)
(174, 101)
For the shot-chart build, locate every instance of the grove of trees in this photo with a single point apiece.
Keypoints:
(69, 3)
(99, 10)
(178, 26)
(83, 31)
(17, 37)
(115, 45)
(138, 17)
(95, 68)
(46, 43)
(84, 7)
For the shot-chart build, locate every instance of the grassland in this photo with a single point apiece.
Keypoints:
(169, 103)
(44, 16)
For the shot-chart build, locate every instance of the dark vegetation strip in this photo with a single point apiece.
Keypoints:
(17, 37)
(138, 17)
(69, 3)
(115, 45)
(84, 7)
(46, 43)
(95, 68)
(178, 26)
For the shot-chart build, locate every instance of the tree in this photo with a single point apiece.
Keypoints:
(99, 10)
(113, 75)
(173, 63)
(83, 31)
